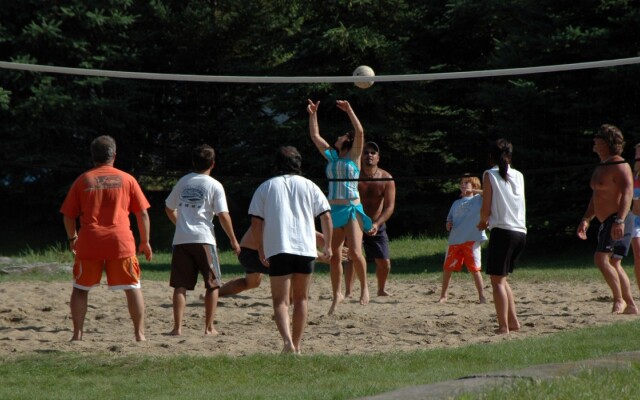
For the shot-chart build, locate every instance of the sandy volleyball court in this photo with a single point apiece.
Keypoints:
(34, 318)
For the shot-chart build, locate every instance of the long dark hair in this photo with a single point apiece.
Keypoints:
(500, 153)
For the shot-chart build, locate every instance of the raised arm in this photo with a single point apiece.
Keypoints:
(358, 140)
(314, 131)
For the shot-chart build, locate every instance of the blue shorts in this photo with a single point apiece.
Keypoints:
(341, 214)
(376, 246)
(620, 247)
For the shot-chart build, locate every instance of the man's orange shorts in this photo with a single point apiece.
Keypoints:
(467, 253)
(122, 273)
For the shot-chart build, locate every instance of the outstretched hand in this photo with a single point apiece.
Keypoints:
(343, 105)
(312, 108)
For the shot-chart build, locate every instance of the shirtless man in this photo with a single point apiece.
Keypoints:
(378, 200)
(612, 184)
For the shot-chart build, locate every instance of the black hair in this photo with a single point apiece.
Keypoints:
(288, 161)
(500, 153)
(203, 157)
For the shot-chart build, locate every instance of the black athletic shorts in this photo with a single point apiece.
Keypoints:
(286, 264)
(250, 260)
(504, 249)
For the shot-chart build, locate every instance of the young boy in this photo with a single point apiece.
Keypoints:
(464, 237)
(191, 206)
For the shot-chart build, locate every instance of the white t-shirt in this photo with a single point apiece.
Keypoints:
(197, 199)
(507, 202)
(289, 204)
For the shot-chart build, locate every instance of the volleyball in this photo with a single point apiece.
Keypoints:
(364, 70)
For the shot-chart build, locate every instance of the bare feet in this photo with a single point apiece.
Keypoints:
(502, 331)
(76, 336)
(364, 296)
(482, 300)
(347, 294)
(210, 331)
(288, 349)
(618, 306)
(140, 337)
(443, 299)
(631, 310)
(382, 292)
(336, 300)
(175, 332)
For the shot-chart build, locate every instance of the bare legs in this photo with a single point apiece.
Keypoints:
(179, 303)
(79, 303)
(250, 281)
(477, 280)
(618, 282)
(505, 305)
(383, 268)
(353, 233)
(135, 303)
(210, 303)
(282, 287)
(446, 278)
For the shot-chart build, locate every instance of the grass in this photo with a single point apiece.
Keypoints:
(73, 376)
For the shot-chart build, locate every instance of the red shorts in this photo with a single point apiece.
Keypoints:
(122, 273)
(467, 253)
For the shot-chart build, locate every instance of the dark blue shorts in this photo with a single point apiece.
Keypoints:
(376, 246)
(619, 248)
(286, 264)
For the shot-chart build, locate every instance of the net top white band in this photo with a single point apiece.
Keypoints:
(318, 79)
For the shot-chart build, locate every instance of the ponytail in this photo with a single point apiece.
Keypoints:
(500, 154)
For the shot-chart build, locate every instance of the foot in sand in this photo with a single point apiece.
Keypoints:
(482, 300)
(443, 299)
(382, 292)
(502, 331)
(618, 306)
(364, 296)
(175, 332)
(631, 310)
(288, 349)
(334, 304)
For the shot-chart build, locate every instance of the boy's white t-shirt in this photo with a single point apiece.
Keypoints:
(289, 204)
(197, 198)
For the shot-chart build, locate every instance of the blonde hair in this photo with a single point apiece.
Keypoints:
(475, 182)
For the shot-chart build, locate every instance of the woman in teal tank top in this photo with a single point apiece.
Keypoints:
(349, 219)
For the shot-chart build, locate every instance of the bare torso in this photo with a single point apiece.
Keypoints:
(610, 183)
(372, 194)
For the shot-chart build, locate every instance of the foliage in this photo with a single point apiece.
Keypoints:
(429, 132)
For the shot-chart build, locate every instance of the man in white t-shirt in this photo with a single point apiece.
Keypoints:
(283, 210)
(191, 206)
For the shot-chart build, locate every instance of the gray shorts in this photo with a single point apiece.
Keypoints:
(376, 246)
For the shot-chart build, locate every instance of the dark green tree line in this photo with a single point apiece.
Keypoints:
(429, 132)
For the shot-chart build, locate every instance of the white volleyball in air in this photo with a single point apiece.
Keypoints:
(363, 70)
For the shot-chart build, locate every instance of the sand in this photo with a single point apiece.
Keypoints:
(35, 318)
